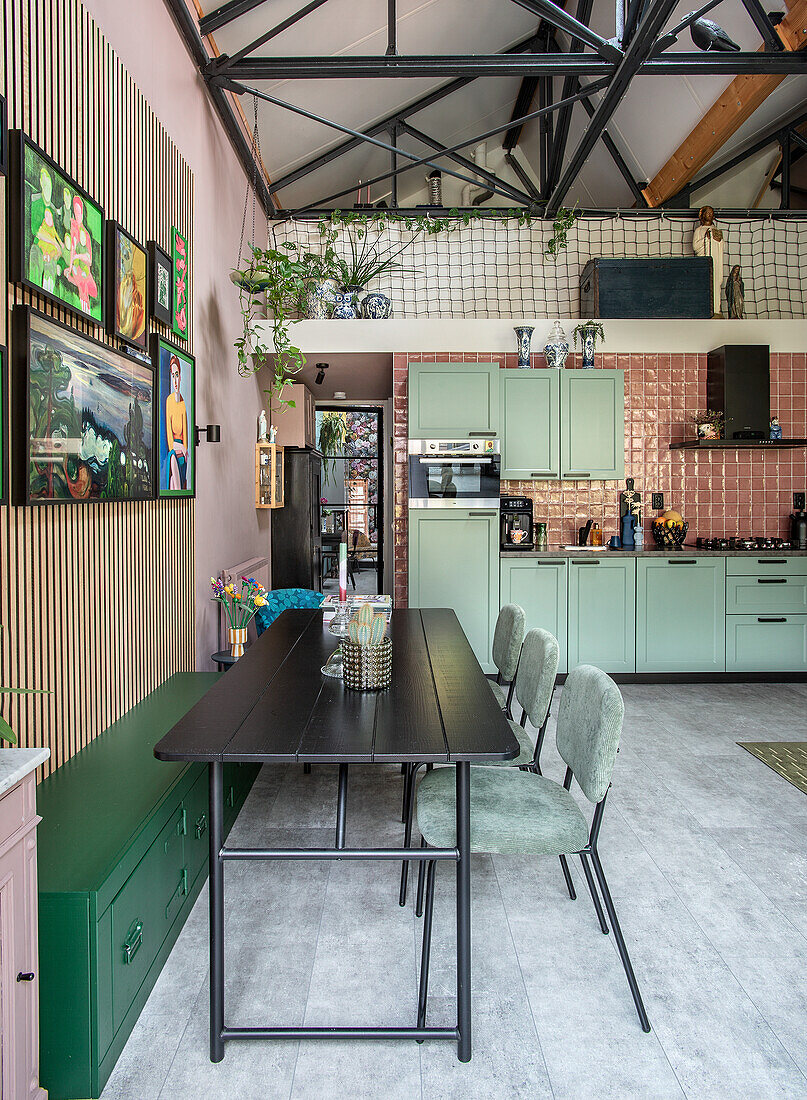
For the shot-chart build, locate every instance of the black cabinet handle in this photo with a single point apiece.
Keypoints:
(576, 473)
(542, 473)
(771, 561)
(585, 561)
(482, 435)
(771, 580)
(782, 620)
(681, 561)
(25, 976)
(549, 561)
(481, 513)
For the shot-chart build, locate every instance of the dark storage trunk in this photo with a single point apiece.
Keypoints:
(679, 286)
(296, 538)
(738, 384)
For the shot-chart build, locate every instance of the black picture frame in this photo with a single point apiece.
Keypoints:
(159, 258)
(3, 136)
(24, 321)
(17, 142)
(4, 422)
(158, 344)
(114, 230)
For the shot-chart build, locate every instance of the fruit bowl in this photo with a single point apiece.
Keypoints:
(669, 538)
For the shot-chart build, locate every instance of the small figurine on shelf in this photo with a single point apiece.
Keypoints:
(776, 428)
(735, 293)
(262, 427)
(708, 240)
(273, 433)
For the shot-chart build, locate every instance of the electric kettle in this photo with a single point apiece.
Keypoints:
(798, 530)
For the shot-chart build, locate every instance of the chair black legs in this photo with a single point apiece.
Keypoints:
(427, 941)
(592, 889)
(421, 882)
(620, 943)
(568, 876)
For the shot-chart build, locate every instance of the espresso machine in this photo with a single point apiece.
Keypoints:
(516, 523)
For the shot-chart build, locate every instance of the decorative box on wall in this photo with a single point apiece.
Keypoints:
(669, 287)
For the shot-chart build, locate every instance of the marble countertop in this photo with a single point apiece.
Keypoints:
(15, 764)
(653, 551)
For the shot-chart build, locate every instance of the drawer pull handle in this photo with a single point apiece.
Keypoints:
(482, 435)
(771, 561)
(586, 561)
(230, 799)
(681, 561)
(133, 941)
(576, 473)
(771, 580)
(25, 976)
(782, 620)
(549, 561)
(481, 513)
(201, 826)
(180, 891)
(542, 473)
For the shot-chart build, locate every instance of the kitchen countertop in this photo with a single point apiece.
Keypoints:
(15, 764)
(653, 551)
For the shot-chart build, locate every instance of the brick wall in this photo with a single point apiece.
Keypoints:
(720, 492)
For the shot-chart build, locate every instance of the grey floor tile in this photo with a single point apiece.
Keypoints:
(146, 1060)
(358, 1071)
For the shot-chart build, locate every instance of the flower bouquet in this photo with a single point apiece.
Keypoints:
(240, 608)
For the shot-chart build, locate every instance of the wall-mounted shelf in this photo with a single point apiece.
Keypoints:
(733, 444)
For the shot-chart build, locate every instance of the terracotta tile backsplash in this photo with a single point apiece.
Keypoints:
(718, 492)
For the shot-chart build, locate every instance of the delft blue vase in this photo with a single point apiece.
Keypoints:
(376, 306)
(319, 299)
(588, 349)
(524, 336)
(556, 349)
(346, 306)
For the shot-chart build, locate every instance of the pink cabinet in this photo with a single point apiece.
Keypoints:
(297, 425)
(19, 991)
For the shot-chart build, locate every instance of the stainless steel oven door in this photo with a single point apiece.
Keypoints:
(461, 480)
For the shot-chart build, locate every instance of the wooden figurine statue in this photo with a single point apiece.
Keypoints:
(735, 293)
(707, 240)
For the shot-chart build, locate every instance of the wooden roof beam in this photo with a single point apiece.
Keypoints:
(732, 108)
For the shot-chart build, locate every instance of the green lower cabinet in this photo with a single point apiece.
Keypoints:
(766, 643)
(539, 586)
(468, 580)
(602, 612)
(681, 614)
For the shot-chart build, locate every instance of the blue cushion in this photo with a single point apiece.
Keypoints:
(281, 599)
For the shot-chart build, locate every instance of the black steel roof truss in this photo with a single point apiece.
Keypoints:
(521, 172)
(225, 62)
(570, 85)
(226, 14)
(561, 19)
(762, 22)
(671, 36)
(775, 134)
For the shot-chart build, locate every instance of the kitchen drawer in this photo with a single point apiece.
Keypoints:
(143, 912)
(753, 565)
(766, 643)
(197, 837)
(761, 594)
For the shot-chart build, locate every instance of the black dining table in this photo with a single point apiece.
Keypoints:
(274, 706)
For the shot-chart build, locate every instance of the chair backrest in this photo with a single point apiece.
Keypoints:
(283, 599)
(589, 727)
(535, 678)
(507, 639)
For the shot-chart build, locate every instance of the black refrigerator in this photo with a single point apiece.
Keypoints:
(296, 538)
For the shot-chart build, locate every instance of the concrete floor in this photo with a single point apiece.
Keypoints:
(706, 852)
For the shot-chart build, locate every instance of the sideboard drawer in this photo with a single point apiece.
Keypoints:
(785, 595)
(767, 565)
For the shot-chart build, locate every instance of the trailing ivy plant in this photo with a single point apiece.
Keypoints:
(564, 220)
(332, 431)
(594, 328)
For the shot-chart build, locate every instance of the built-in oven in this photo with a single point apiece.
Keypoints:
(446, 473)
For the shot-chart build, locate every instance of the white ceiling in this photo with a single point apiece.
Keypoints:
(656, 114)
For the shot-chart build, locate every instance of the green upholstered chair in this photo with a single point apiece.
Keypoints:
(522, 812)
(507, 639)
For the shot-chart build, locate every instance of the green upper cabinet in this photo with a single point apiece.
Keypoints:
(539, 586)
(453, 400)
(680, 614)
(592, 424)
(454, 562)
(530, 423)
(602, 612)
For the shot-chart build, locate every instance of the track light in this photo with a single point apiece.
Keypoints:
(321, 368)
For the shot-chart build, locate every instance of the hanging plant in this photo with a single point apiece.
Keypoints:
(564, 220)
(332, 434)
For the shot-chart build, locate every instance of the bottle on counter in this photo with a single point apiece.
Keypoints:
(596, 535)
(638, 537)
(540, 536)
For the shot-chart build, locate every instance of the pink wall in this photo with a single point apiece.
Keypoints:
(731, 492)
(228, 528)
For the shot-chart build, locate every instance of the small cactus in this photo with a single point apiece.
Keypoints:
(367, 628)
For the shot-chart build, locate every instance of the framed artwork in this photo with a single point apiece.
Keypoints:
(174, 452)
(162, 275)
(128, 287)
(57, 233)
(179, 306)
(3, 135)
(84, 415)
(3, 421)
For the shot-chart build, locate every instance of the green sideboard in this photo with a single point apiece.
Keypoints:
(123, 849)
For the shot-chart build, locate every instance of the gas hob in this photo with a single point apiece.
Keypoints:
(737, 542)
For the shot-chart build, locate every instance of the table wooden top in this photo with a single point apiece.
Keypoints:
(275, 706)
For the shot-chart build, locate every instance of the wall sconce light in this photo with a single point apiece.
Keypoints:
(212, 433)
(321, 368)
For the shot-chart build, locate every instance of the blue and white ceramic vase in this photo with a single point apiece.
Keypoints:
(556, 348)
(524, 336)
(588, 348)
(346, 303)
(320, 298)
(376, 306)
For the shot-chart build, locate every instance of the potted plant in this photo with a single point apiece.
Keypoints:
(588, 334)
(240, 607)
(366, 259)
(709, 424)
(331, 438)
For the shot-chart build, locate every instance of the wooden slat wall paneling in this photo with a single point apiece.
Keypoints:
(97, 602)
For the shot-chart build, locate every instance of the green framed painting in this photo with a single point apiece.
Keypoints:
(57, 238)
(3, 422)
(174, 450)
(180, 262)
(84, 417)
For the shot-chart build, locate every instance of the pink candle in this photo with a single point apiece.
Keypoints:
(343, 568)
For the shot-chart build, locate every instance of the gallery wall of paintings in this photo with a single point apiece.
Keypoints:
(97, 385)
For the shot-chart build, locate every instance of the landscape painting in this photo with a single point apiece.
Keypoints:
(89, 412)
(58, 248)
(128, 300)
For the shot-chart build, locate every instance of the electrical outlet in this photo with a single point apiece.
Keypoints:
(658, 500)
(798, 501)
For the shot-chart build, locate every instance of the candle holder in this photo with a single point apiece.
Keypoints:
(338, 626)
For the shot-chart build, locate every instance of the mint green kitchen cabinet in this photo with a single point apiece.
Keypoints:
(454, 562)
(539, 586)
(453, 400)
(592, 424)
(602, 612)
(530, 420)
(766, 595)
(766, 643)
(681, 614)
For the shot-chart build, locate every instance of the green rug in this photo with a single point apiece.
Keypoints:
(788, 758)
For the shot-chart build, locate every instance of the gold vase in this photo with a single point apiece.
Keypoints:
(238, 639)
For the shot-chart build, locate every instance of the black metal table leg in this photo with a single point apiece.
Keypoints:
(341, 807)
(215, 817)
(464, 910)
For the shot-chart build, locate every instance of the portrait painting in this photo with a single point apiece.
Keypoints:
(175, 454)
(87, 416)
(128, 297)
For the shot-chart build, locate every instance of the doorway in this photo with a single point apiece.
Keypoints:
(350, 438)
